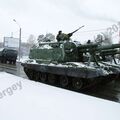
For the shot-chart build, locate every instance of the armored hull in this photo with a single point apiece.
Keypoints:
(68, 76)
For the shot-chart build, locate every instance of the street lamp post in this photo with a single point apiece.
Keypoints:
(19, 52)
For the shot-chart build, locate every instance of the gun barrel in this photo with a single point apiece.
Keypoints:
(107, 47)
(110, 52)
(97, 48)
(87, 46)
(77, 29)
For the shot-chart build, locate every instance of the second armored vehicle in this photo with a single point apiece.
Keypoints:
(8, 56)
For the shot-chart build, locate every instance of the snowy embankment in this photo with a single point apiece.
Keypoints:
(21, 99)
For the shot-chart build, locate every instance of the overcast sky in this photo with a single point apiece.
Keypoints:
(43, 16)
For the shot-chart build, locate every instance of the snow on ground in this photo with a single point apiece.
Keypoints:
(31, 100)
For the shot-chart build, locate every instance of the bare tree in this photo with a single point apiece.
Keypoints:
(104, 38)
(49, 37)
(40, 38)
(31, 40)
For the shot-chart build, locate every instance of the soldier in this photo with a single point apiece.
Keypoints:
(89, 42)
(62, 36)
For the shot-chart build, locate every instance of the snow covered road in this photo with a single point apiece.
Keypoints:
(37, 101)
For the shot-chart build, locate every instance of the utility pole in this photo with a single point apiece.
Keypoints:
(19, 39)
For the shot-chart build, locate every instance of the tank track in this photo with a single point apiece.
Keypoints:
(64, 81)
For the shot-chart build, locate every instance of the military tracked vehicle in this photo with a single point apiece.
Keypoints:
(69, 65)
(8, 56)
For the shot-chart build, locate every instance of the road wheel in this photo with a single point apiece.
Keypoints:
(52, 79)
(10, 62)
(26, 71)
(43, 77)
(37, 76)
(14, 62)
(77, 84)
(64, 81)
(4, 61)
(30, 74)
